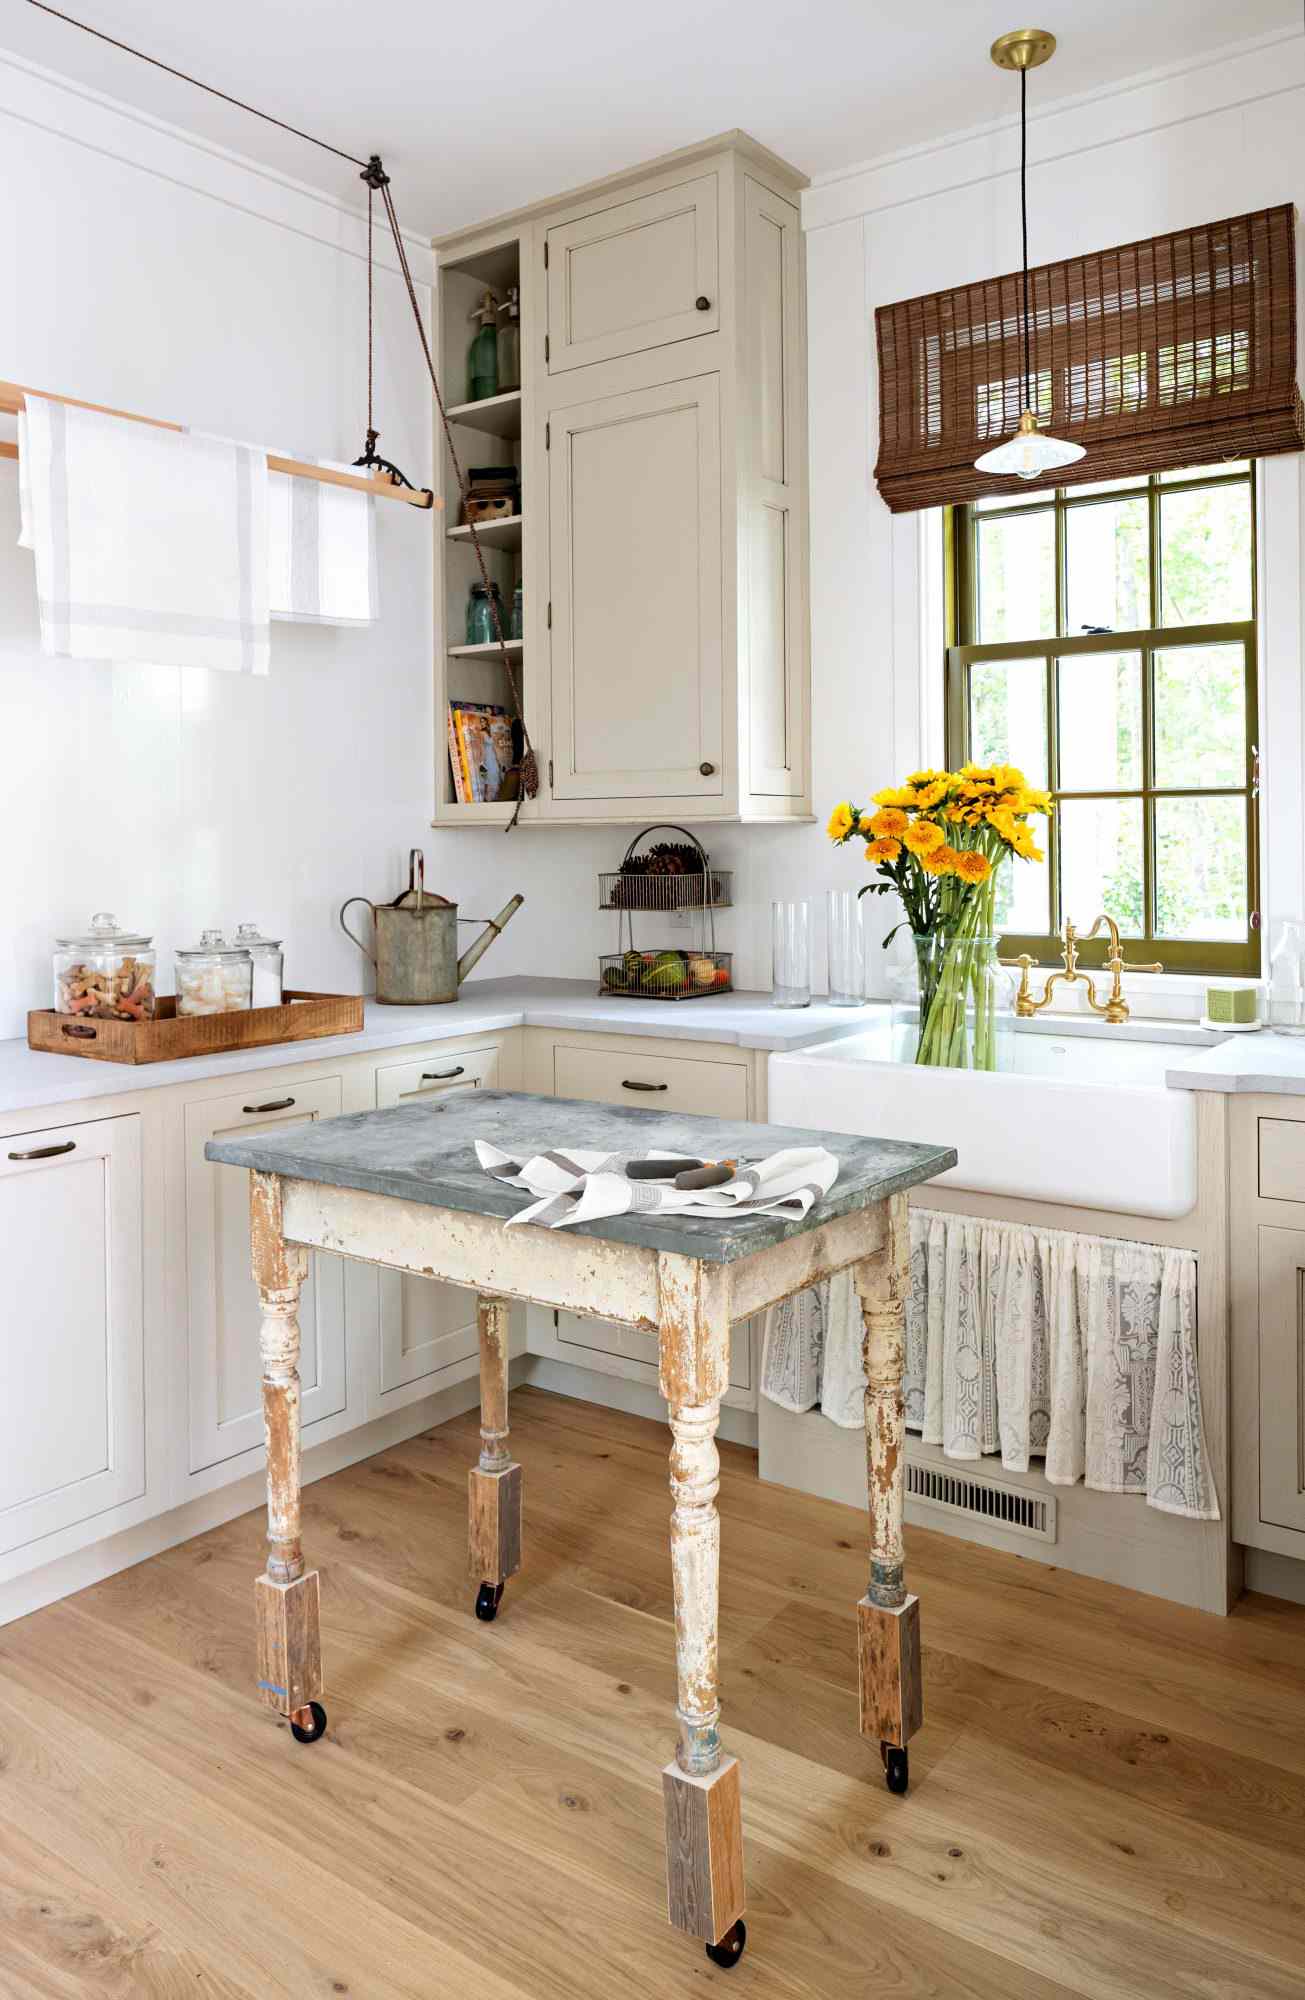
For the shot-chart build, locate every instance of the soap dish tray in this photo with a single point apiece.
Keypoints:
(1231, 1027)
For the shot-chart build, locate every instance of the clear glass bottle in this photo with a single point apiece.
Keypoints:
(846, 950)
(269, 964)
(481, 630)
(482, 356)
(509, 343)
(105, 975)
(214, 977)
(790, 941)
(1285, 1005)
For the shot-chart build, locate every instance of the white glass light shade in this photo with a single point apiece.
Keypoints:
(1030, 454)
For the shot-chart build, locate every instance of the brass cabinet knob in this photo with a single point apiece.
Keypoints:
(707, 770)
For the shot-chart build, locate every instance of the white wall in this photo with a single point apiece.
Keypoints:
(1213, 140)
(149, 272)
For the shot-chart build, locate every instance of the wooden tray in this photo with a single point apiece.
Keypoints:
(302, 1017)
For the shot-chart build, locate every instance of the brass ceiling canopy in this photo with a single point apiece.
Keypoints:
(1023, 48)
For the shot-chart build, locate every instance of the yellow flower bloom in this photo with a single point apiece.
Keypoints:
(895, 795)
(923, 837)
(888, 822)
(841, 822)
(940, 860)
(978, 774)
(1008, 777)
(1025, 845)
(931, 794)
(883, 849)
(1004, 822)
(1036, 801)
(973, 867)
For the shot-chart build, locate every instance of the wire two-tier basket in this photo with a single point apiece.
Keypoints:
(660, 878)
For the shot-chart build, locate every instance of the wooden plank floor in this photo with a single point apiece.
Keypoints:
(1108, 1797)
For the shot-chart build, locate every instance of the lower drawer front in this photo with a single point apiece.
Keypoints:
(654, 1083)
(1282, 1159)
(436, 1075)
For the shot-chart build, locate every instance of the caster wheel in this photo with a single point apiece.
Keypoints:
(318, 1714)
(730, 1949)
(487, 1601)
(897, 1768)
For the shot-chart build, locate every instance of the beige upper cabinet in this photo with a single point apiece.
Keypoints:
(634, 540)
(661, 546)
(633, 275)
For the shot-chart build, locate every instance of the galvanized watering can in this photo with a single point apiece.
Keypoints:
(416, 956)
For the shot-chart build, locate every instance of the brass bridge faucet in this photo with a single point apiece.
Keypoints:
(1114, 1006)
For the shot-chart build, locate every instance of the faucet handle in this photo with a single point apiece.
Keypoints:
(1125, 966)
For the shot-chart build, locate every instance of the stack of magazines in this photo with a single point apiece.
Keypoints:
(480, 751)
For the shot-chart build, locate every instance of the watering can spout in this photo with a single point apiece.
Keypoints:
(476, 951)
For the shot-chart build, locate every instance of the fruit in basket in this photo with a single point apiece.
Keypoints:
(632, 969)
(722, 978)
(614, 978)
(667, 973)
(702, 970)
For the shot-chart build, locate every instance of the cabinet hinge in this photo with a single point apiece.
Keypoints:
(545, 347)
(550, 614)
(548, 437)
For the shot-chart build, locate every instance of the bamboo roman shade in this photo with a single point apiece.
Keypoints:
(1177, 351)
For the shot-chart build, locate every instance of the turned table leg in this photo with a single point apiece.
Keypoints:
(704, 1828)
(286, 1595)
(493, 1485)
(888, 1619)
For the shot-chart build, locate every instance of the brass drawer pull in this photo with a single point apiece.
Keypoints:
(46, 1152)
(441, 1075)
(628, 1084)
(275, 1104)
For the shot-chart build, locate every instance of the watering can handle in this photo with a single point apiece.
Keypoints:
(416, 875)
(349, 934)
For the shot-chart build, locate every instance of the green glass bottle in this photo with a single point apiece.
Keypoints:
(482, 358)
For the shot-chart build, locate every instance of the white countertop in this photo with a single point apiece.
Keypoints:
(30, 1078)
(1260, 1062)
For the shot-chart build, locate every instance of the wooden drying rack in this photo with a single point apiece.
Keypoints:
(13, 397)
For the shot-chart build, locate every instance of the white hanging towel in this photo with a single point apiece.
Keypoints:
(322, 551)
(150, 544)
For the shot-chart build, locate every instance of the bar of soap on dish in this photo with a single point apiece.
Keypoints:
(1232, 1006)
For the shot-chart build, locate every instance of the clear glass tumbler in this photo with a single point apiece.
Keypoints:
(790, 954)
(846, 950)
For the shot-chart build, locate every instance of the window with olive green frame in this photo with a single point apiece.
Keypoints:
(1105, 642)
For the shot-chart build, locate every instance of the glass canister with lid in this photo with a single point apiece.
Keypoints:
(269, 964)
(105, 975)
(214, 977)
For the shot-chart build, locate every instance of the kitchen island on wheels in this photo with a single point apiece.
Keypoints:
(403, 1188)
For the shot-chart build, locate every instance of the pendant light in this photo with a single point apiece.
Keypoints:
(1030, 454)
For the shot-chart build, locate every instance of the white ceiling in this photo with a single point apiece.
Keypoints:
(482, 105)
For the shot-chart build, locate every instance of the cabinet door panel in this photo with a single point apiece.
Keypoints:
(426, 1327)
(654, 1083)
(635, 586)
(629, 276)
(226, 1414)
(1282, 1377)
(72, 1413)
(591, 1342)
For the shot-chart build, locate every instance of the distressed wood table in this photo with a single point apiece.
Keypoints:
(402, 1188)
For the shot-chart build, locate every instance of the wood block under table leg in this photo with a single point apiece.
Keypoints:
(888, 1653)
(494, 1523)
(289, 1645)
(704, 1849)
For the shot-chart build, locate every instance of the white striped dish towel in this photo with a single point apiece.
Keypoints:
(574, 1186)
(322, 551)
(150, 544)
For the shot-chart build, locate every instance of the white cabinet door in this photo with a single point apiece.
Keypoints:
(72, 1404)
(427, 1329)
(225, 1392)
(1282, 1376)
(599, 1343)
(635, 594)
(633, 275)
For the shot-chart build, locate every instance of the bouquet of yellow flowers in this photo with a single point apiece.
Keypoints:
(937, 842)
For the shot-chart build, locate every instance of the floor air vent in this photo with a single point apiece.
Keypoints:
(1007, 1507)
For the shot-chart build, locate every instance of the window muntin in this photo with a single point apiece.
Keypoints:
(1107, 646)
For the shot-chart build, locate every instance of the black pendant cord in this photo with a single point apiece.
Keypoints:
(185, 77)
(1024, 220)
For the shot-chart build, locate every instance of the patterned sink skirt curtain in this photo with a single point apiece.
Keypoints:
(1035, 1343)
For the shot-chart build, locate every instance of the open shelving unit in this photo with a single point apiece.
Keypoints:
(487, 432)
